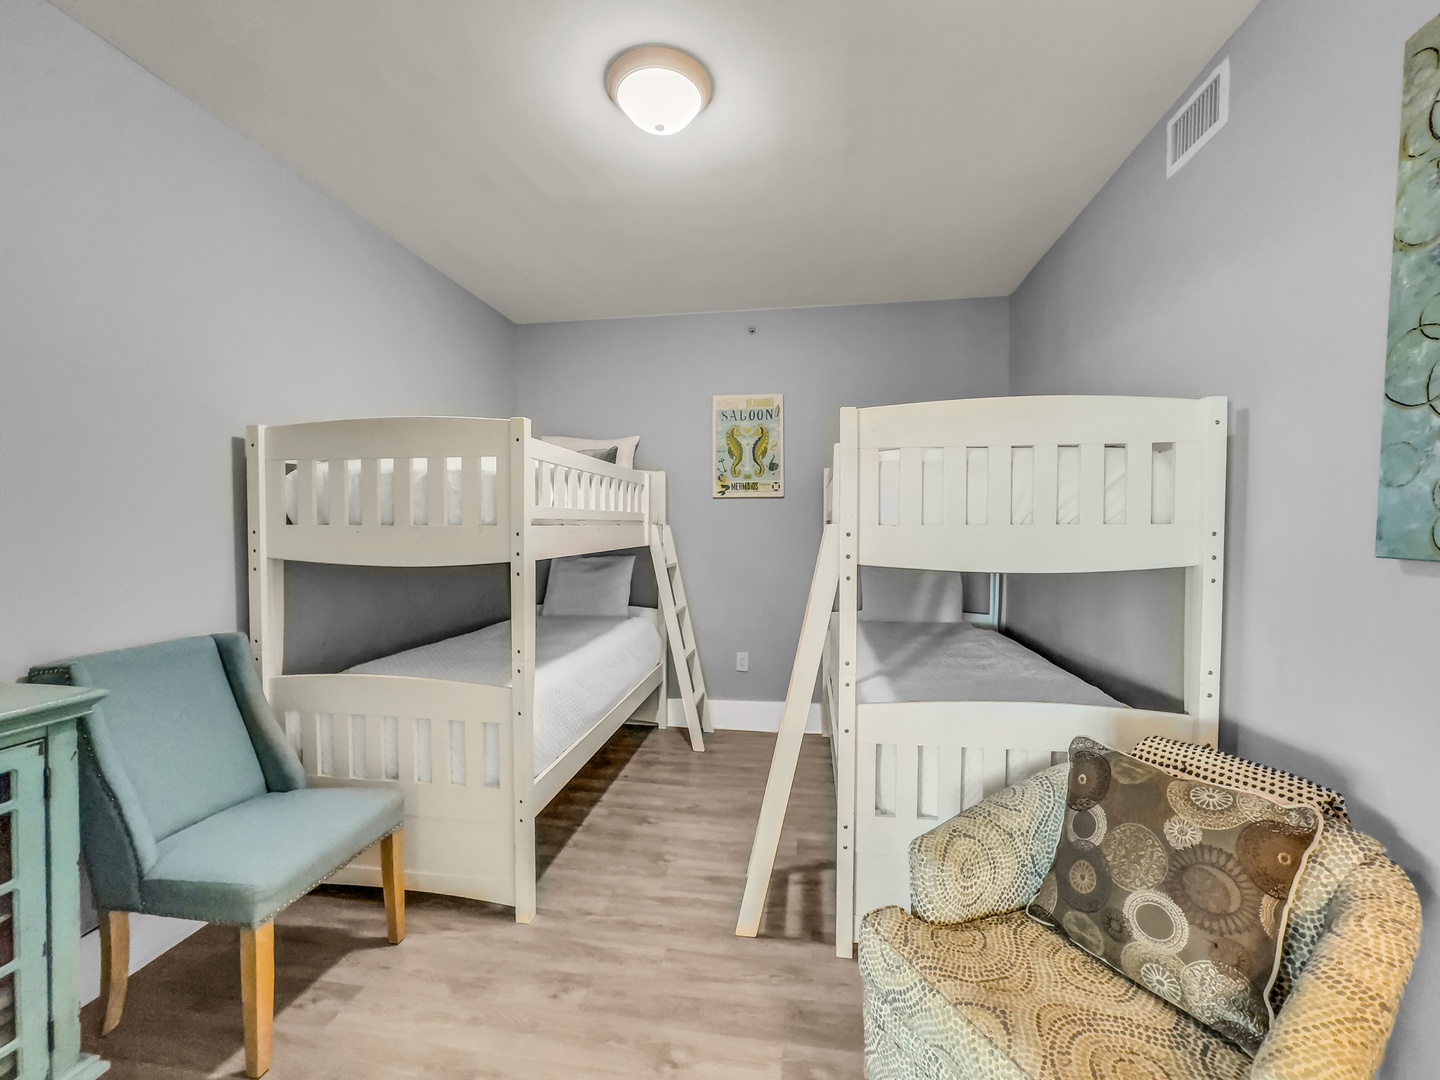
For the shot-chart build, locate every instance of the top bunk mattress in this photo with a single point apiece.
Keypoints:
(926, 661)
(584, 666)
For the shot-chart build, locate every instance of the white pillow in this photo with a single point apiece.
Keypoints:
(624, 446)
(590, 585)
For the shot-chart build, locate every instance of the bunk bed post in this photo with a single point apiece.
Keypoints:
(267, 575)
(1205, 583)
(653, 502)
(662, 696)
(995, 614)
(522, 646)
(847, 513)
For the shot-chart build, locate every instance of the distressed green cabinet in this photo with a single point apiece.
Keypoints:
(40, 884)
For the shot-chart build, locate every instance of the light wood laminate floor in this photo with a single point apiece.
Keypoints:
(631, 968)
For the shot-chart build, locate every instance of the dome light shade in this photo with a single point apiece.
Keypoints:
(659, 88)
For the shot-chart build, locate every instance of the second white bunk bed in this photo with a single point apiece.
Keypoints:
(455, 725)
(928, 718)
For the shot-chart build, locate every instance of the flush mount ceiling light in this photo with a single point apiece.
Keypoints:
(661, 89)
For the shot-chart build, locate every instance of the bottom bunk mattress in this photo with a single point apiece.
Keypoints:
(899, 661)
(584, 666)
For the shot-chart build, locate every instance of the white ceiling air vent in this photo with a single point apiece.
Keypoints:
(1198, 119)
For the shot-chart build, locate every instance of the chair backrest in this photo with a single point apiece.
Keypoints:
(185, 733)
(176, 730)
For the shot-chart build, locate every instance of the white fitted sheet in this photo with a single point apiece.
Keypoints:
(929, 661)
(585, 666)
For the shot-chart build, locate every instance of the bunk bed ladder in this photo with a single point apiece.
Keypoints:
(680, 631)
(808, 656)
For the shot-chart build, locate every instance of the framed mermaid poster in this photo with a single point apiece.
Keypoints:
(749, 457)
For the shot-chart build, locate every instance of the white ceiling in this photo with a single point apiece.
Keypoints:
(856, 151)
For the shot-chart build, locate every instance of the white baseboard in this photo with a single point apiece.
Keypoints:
(150, 935)
(746, 716)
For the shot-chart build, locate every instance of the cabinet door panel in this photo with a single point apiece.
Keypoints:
(24, 993)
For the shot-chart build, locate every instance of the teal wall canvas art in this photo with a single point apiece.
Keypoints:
(1408, 525)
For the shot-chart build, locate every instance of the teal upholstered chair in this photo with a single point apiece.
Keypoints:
(193, 805)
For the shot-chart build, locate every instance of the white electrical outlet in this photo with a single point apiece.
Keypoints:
(742, 661)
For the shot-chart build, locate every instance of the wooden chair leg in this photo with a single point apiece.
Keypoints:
(392, 876)
(257, 987)
(114, 966)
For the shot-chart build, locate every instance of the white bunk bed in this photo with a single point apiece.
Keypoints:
(926, 719)
(454, 725)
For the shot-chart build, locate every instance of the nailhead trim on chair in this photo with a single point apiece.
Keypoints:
(300, 896)
(89, 747)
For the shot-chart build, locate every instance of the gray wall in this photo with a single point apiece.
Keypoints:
(164, 282)
(1262, 271)
(747, 563)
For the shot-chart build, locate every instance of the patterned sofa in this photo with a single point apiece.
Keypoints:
(969, 987)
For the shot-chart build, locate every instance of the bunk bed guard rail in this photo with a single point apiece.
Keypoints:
(1038, 484)
(428, 491)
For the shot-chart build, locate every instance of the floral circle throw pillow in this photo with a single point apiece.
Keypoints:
(1182, 886)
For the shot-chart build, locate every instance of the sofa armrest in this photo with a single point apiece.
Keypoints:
(992, 857)
(1339, 1015)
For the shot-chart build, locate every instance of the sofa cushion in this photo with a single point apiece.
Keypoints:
(1005, 996)
(246, 863)
(1182, 885)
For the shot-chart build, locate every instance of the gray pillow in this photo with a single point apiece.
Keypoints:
(606, 454)
(590, 585)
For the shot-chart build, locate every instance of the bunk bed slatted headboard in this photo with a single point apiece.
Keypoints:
(364, 491)
(436, 491)
(987, 484)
